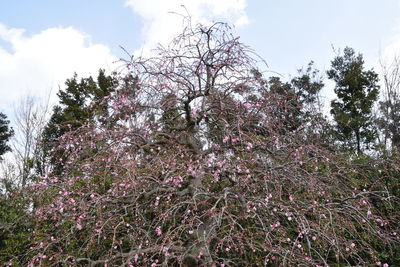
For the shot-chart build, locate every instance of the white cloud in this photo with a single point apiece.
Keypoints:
(160, 25)
(392, 46)
(392, 49)
(389, 55)
(45, 60)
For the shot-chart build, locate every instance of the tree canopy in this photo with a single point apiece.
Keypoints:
(357, 90)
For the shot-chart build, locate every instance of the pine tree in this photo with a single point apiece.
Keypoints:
(357, 90)
(81, 101)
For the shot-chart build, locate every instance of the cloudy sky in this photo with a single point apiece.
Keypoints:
(43, 42)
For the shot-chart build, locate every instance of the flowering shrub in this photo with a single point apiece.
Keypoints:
(197, 167)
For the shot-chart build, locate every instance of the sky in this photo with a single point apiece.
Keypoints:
(43, 42)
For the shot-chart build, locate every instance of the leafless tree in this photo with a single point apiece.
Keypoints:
(389, 119)
(30, 119)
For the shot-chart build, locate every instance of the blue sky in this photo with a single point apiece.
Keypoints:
(43, 42)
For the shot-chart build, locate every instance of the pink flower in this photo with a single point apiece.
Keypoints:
(385, 265)
(249, 146)
(158, 230)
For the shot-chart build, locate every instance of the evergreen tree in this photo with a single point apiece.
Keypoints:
(290, 112)
(307, 86)
(300, 95)
(5, 134)
(82, 101)
(357, 90)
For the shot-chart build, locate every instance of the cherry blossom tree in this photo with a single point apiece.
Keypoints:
(199, 168)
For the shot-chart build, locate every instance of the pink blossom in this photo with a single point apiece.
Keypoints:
(249, 146)
(158, 230)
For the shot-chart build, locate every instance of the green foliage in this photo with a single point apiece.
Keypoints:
(307, 86)
(357, 90)
(79, 102)
(15, 228)
(5, 134)
(291, 112)
(300, 95)
(171, 114)
(82, 101)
